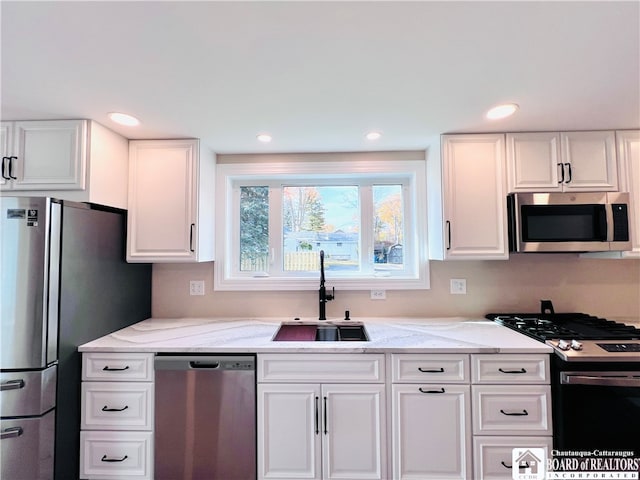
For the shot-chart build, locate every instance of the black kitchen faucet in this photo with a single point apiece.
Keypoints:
(324, 298)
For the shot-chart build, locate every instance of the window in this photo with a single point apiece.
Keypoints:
(273, 219)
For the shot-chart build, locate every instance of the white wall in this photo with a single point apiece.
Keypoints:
(607, 288)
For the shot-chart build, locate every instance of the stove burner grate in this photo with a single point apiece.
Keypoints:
(566, 326)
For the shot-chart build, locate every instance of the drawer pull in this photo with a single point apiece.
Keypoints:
(434, 370)
(431, 391)
(523, 413)
(11, 432)
(107, 459)
(526, 465)
(522, 370)
(12, 385)
(107, 409)
(107, 368)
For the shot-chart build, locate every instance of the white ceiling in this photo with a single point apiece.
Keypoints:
(319, 75)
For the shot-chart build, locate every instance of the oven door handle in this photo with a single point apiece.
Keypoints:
(610, 379)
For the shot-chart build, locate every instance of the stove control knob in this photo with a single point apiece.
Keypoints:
(563, 345)
(576, 345)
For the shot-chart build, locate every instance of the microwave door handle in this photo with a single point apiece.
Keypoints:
(606, 224)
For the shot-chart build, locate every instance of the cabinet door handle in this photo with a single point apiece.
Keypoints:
(193, 225)
(317, 419)
(12, 385)
(11, 168)
(4, 168)
(107, 409)
(523, 413)
(431, 391)
(522, 370)
(11, 432)
(325, 416)
(431, 370)
(568, 165)
(107, 368)
(561, 169)
(448, 235)
(107, 459)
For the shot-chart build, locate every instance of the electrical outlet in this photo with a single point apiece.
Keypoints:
(378, 294)
(196, 287)
(458, 286)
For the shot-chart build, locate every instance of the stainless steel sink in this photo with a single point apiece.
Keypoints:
(314, 332)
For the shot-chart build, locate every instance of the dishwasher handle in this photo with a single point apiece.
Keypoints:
(205, 362)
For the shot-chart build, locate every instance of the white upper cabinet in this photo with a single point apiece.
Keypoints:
(533, 162)
(562, 162)
(171, 201)
(76, 160)
(44, 155)
(629, 155)
(474, 197)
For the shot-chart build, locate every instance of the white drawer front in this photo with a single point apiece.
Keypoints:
(116, 455)
(117, 406)
(493, 458)
(118, 367)
(508, 368)
(416, 368)
(511, 410)
(334, 368)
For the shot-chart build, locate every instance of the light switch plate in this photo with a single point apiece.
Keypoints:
(378, 294)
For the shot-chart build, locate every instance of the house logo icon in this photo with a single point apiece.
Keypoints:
(528, 463)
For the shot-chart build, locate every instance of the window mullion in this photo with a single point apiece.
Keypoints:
(366, 229)
(276, 254)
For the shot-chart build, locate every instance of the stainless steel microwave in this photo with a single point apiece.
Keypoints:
(568, 222)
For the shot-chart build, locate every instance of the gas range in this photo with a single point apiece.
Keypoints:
(577, 337)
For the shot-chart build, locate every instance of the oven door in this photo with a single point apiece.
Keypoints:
(597, 410)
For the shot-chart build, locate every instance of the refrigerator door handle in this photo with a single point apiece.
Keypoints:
(12, 385)
(10, 432)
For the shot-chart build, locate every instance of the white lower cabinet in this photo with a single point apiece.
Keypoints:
(431, 432)
(321, 430)
(494, 455)
(431, 417)
(511, 399)
(116, 440)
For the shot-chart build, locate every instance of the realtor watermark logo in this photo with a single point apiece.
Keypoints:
(534, 464)
(528, 463)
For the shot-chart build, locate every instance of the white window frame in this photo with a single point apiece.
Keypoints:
(227, 276)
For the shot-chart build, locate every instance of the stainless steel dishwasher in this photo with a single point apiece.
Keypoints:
(205, 417)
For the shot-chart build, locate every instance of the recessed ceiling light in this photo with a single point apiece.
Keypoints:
(502, 111)
(264, 137)
(124, 119)
(373, 135)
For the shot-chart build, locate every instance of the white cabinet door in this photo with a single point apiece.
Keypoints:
(45, 155)
(170, 202)
(289, 427)
(475, 220)
(629, 155)
(590, 161)
(321, 431)
(353, 432)
(431, 432)
(533, 162)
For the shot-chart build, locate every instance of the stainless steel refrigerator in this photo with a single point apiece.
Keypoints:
(64, 282)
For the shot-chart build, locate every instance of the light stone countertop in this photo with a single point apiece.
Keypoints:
(395, 335)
